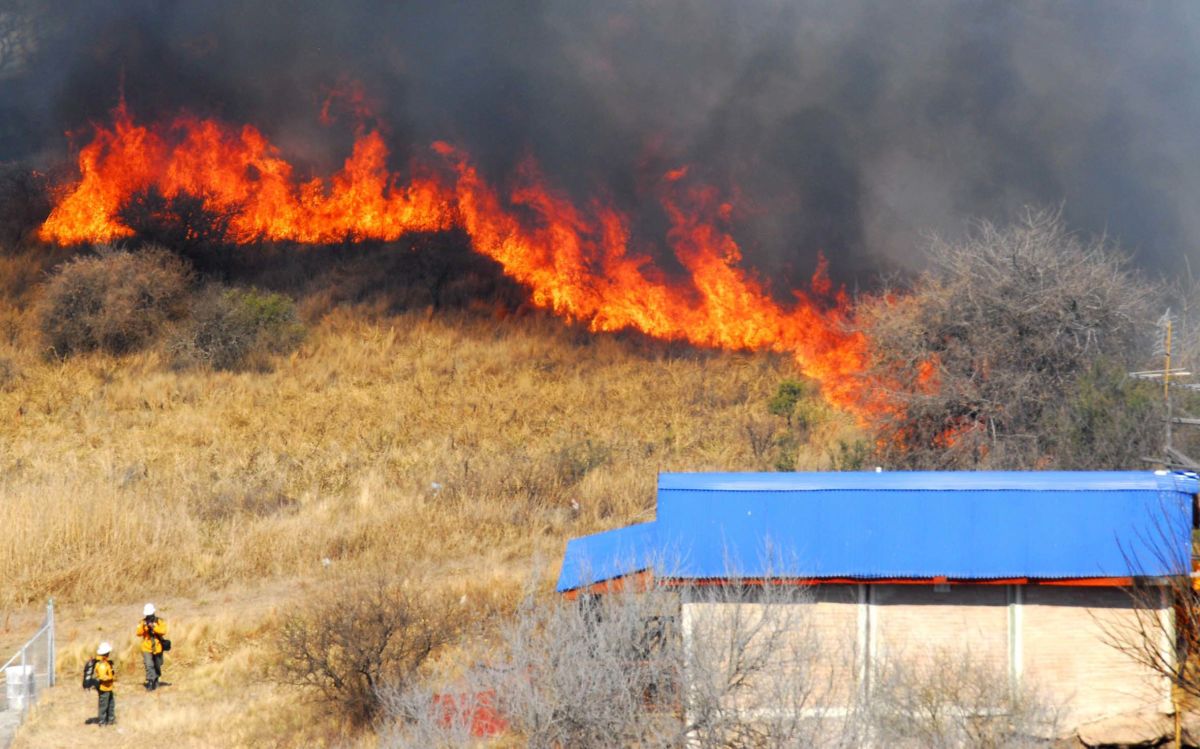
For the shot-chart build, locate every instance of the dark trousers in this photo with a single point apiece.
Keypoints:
(108, 709)
(153, 664)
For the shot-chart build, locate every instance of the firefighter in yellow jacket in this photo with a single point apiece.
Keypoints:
(106, 715)
(153, 632)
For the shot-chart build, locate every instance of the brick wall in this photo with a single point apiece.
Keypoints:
(914, 622)
(1066, 649)
(1061, 640)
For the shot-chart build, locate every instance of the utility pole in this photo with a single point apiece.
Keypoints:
(1172, 458)
(1167, 446)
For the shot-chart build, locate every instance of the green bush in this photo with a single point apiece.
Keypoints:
(793, 401)
(850, 455)
(236, 329)
(114, 301)
(796, 402)
(1107, 420)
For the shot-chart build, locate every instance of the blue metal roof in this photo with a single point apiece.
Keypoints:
(603, 556)
(1045, 481)
(982, 525)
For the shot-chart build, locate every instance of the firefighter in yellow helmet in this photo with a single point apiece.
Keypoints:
(104, 675)
(153, 632)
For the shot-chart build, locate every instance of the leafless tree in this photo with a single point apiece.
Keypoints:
(1010, 352)
(620, 670)
(756, 673)
(1163, 634)
(733, 665)
(355, 638)
(950, 699)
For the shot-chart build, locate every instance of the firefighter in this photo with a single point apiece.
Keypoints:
(153, 632)
(106, 715)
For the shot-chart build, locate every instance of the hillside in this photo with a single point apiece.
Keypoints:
(453, 450)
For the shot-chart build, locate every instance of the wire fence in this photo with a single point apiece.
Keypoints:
(28, 672)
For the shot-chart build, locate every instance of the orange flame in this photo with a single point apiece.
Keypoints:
(576, 263)
(239, 173)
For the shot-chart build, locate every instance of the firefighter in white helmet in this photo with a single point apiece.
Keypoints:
(153, 632)
(104, 675)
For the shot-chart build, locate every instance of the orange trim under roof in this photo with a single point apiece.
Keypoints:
(641, 581)
(1094, 582)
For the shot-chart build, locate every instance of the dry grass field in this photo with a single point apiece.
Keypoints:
(454, 450)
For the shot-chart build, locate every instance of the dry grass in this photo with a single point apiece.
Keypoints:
(437, 441)
(219, 695)
(464, 447)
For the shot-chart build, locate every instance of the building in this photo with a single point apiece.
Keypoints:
(1030, 570)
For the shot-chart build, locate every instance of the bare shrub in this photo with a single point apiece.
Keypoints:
(607, 667)
(756, 673)
(245, 498)
(23, 271)
(183, 223)
(236, 329)
(948, 700)
(733, 665)
(760, 434)
(984, 350)
(620, 670)
(24, 204)
(1163, 633)
(566, 673)
(10, 374)
(357, 637)
(457, 716)
(114, 301)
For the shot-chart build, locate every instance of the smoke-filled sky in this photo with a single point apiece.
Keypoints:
(854, 128)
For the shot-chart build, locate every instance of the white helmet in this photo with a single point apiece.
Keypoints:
(104, 649)
(148, 610)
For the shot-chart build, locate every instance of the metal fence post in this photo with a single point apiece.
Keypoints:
(25, 666)
(24, 685)
(50, 637)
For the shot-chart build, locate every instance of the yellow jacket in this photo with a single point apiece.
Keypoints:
(152, 636)
(104, 673)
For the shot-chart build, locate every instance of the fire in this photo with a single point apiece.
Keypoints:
(240, 174)
(575, 261)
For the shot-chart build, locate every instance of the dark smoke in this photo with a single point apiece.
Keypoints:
(847, 127)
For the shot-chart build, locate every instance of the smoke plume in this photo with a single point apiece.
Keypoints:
(850, 128)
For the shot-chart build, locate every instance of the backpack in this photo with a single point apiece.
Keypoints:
(89, 674)
(166, 644)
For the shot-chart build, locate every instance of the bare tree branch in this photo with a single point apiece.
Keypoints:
(1010, 353)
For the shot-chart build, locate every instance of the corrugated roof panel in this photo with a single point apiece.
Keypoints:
(933, 481)
(607, 555)
(962, 534)
(1049, 525)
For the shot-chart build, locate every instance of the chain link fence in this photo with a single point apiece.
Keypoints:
(26, 674)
